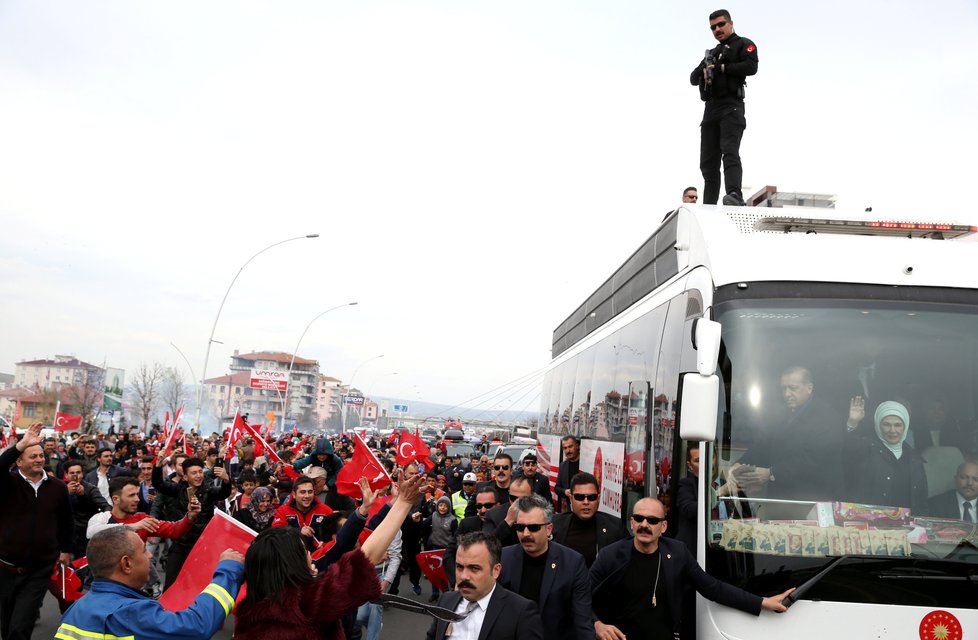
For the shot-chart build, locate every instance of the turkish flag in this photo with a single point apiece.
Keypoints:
(433, 569)
(411, 447)
(298, 447)
(66, 422)
(262, 447)
(364, 463)
(222, 532)
(237, 430)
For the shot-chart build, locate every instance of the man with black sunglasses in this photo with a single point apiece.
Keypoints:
(548, 573)
(637, 583)
(585, 529)
(502, 476)
(721, 78)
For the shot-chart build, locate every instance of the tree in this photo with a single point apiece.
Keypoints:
(86, 396)
(174, 394)
(147, 388)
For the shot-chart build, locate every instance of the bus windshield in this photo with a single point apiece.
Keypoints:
(848, 429)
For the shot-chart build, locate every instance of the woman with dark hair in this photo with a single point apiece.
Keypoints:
(259, 513)
(289, 599)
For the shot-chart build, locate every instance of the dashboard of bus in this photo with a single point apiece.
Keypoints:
(847, 436)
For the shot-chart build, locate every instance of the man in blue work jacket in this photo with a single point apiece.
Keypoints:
(115, 607)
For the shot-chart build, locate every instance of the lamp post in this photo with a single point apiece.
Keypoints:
(288, 387)
(210, 339)
(352, 378)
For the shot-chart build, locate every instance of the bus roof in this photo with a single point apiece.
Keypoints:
(804, 244)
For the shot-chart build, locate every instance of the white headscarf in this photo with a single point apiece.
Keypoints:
(891, 408)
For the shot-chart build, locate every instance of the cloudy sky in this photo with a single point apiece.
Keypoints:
(474, 170)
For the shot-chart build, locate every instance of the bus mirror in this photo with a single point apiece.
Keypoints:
(698, 407)
(707, 337)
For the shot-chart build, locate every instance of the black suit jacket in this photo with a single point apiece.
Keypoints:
(467, 525)
(610, 528)
(508, 617)
(495, 523)
(679, 570)
(944, 505)
(565, 595)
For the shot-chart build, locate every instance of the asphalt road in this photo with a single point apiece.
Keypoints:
(398, 624)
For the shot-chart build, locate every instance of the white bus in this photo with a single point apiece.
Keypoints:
(686, 345)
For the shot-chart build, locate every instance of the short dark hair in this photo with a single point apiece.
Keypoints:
(149, 459)
(276, 559)
(476, 537)
(213, 451)
(74, 463)
(191, 462)
(301, 480)
(248, 476)
(693, 446)
(582, 478)
(503, 455)
(574, 438)
(98, 454)
(689, 189)
(720, 13)
(116, 485)
(106, 548)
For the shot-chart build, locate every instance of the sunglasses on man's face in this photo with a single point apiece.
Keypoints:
(718, 25)
(581, 497)
(485, 505)
(501, 467)
(639, 518)
(520, 528)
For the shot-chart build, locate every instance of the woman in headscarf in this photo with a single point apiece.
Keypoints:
(259, 513)
(888, 471)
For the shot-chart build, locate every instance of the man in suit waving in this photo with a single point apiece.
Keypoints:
(550, 574)
(491, 612)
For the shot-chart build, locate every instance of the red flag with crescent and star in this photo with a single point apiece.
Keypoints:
(411, 447)
(431, 563)
(66, 422)
(363, 463)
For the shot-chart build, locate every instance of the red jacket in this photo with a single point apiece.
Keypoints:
(288, 516)
(165, 530)
(312, 610)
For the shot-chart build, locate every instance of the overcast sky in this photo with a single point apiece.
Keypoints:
(474, 170)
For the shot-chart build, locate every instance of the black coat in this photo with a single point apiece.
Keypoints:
(609, 528)
(945, 505)
(495, 523)
(679, 570)
(876, 476)
(83, 507)
(508, 617)
(467, 525)
(208, 495)
(804, 452)
(565, 595)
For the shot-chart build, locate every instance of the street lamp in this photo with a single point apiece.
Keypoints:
(288, 386)
(210, 339)
(350, 386)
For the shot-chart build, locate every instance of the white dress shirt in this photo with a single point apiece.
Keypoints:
(469, 628)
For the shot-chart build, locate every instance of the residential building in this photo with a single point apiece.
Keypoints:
(60, 372)
(329, 397)
(6, 381)
(303, 382)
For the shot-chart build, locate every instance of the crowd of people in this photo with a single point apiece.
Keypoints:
(322, 560)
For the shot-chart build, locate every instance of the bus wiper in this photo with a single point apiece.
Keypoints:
(811, 582)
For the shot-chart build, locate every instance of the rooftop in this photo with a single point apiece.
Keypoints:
(274, 356)
(59, 361)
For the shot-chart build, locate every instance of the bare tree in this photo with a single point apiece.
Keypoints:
(174, 394)
(147, 388)
(84, 397)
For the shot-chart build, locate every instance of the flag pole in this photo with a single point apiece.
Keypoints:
(57, 410)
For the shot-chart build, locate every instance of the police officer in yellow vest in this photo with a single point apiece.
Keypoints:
(460, 499)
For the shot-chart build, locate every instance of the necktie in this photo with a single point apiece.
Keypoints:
(966, 514)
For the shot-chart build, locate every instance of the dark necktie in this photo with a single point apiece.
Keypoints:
(966, 514)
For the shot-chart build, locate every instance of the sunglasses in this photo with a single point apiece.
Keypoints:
(650, 519)
(501, 467)
(520, 528)
(529, 463)
(581, 497)
(485, 505)
(718, 25)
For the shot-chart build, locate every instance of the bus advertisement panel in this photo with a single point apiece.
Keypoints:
(606, 460)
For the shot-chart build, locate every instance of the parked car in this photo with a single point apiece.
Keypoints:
(453, 435)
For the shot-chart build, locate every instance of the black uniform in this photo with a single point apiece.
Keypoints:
(724, 118)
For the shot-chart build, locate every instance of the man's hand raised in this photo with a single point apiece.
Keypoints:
(31, 437)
